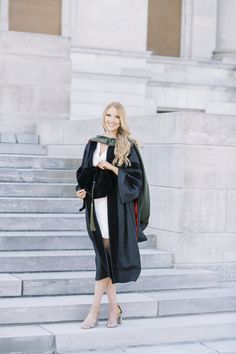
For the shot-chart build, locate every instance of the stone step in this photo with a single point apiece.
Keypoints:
(24, 149)
(70, 337)
(38, 162)
(37, 189)
(194, 301)
(70, 260)
(176, 335)
(19, 138)
(66, 150)
(40, 205)
(44, 240)
(67, 283)
(53, 240)
(30, 175)
(75, 307)
(26, 339)
(37, 222)
(68, 308)
(10, 285)
(225, 346)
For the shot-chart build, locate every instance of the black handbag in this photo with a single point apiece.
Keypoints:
(97, 182)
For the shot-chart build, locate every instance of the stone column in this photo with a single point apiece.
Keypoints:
(225, 33)
(4, 5)
(68, 17)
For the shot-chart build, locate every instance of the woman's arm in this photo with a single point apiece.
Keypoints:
(108, 166)
(115, 170)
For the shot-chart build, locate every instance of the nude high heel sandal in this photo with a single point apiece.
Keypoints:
(118, 319)
(87, 324)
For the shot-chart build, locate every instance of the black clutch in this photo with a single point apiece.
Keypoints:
(97, 182)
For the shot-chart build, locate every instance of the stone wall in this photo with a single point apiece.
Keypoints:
(191, 165)
(35, 79)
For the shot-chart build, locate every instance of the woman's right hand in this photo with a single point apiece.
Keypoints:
(81, 193)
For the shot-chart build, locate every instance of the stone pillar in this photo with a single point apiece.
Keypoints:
(68, 17)
(225, 33)
(4, 5)
(113, 24)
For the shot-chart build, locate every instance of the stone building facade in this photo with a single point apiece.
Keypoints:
(172, 64)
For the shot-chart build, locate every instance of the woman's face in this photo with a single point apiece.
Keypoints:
(112, 120)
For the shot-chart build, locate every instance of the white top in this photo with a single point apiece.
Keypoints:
(96, 157)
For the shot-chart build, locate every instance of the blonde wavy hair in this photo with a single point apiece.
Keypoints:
(123, 140)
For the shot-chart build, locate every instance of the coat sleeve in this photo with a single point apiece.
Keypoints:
(130, 178)
(81, 167)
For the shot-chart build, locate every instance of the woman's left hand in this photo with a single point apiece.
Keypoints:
(105, 165)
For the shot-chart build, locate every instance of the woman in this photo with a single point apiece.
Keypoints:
(114, 222)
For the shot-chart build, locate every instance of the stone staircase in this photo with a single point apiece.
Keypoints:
(47, 270)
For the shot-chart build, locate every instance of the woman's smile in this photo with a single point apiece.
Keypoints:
(112, 120)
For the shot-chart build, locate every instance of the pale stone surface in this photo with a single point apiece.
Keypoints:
(94, 25)
(167, 205)
(22, 149)
(230, 211)
(37, 190)
(70, 337)
(39, 69)
(34, 43)
(209, 167)
(163, 164)
(178, 84)
(31, 339)
(203, 28)
(37, 175)
(36, 74)
(53, 240)
(31, 222)
(194, 301)
(40, 205)
(24, 138)
(203, 210)
(179, 127)
(225, 39)
(217, 107)
(225, 270)
(70, 308)
(224, 347)
(83, 282)
(10, 285)
(36, 99)
(65, 150)
(68, 260)
(35, 162)
(196, 348)
(7, 138)
(192, 247)
(44, 240)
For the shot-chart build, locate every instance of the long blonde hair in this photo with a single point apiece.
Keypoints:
(123, 142)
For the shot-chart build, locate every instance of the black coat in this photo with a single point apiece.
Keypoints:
(124, 264)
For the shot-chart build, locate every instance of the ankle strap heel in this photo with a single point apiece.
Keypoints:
(113, 322)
